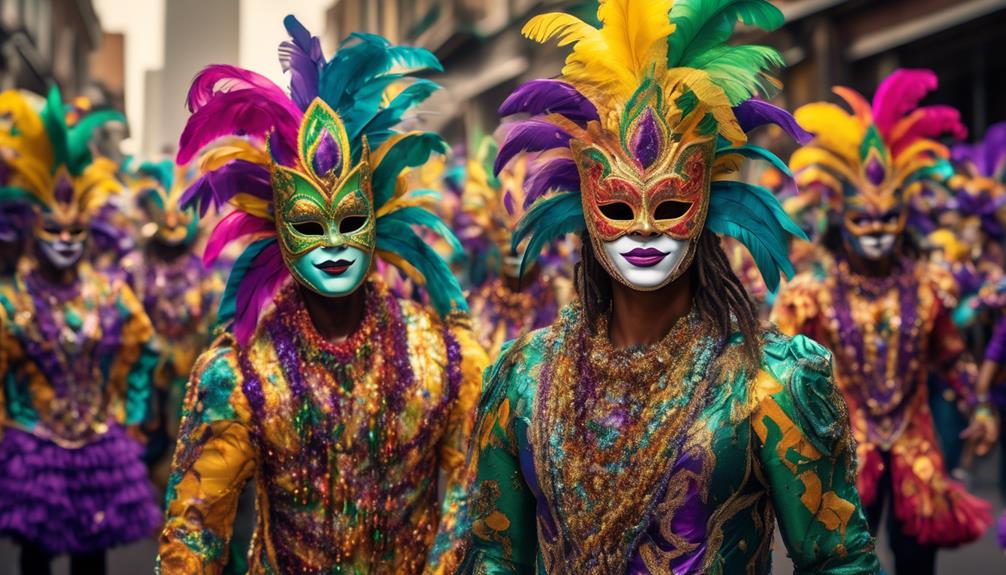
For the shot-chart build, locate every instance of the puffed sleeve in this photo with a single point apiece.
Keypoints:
(807, 453)
(466, 361)
(213, 460)
(502, 535)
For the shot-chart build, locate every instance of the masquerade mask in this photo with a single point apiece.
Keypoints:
(645, 200)
(61, 240)
(325, 214)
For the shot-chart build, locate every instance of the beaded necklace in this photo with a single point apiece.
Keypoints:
(347, 401)
(878, 326)
(607, 427)
(63, 335)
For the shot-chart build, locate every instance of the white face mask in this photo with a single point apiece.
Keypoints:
(647, 263)
(876, 247)
(60, 254)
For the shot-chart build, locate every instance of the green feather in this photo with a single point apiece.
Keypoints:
(54, 120)
(11, 195)
(701, 25)
(738, 70)
(399, 238)
(408, 98)
(757, 153)
(411, 151)
(228, 303)
(79, 136)
(547, 220)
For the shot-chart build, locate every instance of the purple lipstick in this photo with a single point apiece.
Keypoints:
(644, 257)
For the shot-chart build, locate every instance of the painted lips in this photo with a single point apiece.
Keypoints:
(335, 268)
(644, 257)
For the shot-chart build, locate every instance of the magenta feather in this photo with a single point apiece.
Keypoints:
(222, 78)
(234, 226)
(931, 122)
(899, 94)
(532, 135)
(264, 278)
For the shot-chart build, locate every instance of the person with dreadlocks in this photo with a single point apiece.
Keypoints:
(656, 426)
(343, 402)
(503, 306)
(178, 293)
(75, 357)
(884, 314)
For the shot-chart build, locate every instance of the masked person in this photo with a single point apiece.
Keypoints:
(75, 357)
(178, 293)
(343, 402)
(656, 426)
(504, 306)
(887, 316)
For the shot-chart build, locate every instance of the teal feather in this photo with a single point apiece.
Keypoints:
(753, 216)
(411, 151)
(79, 136)
(163, 172)
(757, 153)
(416, 216)
(12, 195)
(228, 302)
(399, 238)
(416, 93)
(547, 220)
(702, 29)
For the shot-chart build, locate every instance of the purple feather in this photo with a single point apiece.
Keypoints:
(987, 156)
(557, 174)
(755, 113)
(219, 186)
(530, 135)
(508, 202)
(549, 97)
(304, 60)
(258, 287)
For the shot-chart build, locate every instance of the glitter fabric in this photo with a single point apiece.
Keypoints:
(179, 298)
(887, 335)
(670, 458)
(77, 363)
(500, 314)
(344, 440)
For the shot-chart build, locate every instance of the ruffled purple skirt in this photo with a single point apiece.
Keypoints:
(75, 500)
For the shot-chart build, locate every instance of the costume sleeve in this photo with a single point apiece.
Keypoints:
(808, 457)
(137, 356)
(795, 310)
(996, 350)
(502, 537)
(213, 460)
(445, 554)
(948, 352)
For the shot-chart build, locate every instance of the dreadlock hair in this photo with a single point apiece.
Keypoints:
(719, 295)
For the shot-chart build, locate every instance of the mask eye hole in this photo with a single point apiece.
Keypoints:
(671, 210)
(351, 224)
(52, 229)
(619, 211)
(309, 228)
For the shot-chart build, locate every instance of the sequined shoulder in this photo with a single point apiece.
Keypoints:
(802, 385)
(215, 386)
(941, 281)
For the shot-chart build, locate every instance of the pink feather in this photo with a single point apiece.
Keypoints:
(245, 112)
(264, 278)
(929, 122)
(220, 78)
(234, 226)
(899, 94)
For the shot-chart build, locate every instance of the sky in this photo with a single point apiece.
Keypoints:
(143, 25)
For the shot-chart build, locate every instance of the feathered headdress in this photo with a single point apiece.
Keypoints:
(655, 76)
(337, 118)
(979, 186)
(880, 155)
(50, 165)
(159, 187)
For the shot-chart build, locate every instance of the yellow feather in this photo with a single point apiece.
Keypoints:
(825, 158)
(833, 128)
(678, 80)
(400, 263)
(635, 32)
(921, 147)
(232, 149)
(253, 205)
(31, 139)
